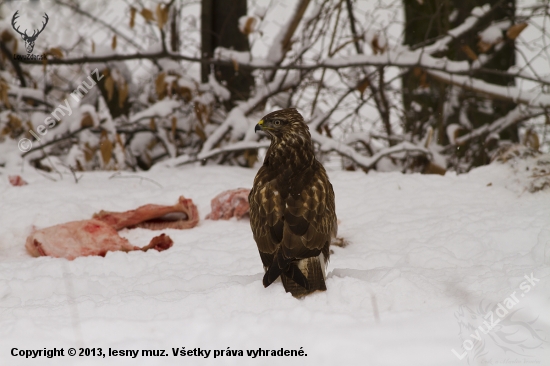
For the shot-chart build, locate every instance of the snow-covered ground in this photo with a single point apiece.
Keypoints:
(428, 259)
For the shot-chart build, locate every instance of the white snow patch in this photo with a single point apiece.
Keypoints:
(227, 54)
(420, 247)
(491, 35)
(220, 91)
(161, 108)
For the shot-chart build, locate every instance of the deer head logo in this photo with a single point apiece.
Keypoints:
(29, 40)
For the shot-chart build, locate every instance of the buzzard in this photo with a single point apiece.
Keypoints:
(292, 211)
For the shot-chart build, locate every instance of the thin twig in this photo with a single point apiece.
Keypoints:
(119, 175)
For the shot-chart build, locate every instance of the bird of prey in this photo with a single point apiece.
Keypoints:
(292, 209)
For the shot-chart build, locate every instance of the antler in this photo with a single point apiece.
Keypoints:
(34, 34)
(15, 16)
(43, 25)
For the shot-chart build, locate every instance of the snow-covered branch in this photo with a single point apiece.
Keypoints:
(517, 115)
(237, 146)
(328, 144)
(237, 117)
(507, 93)
(466, 26)
(399, 56)
(367, 89)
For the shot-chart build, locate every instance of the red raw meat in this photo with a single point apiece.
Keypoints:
(183, 215)
(99, 235)
(17, 181)
(230, 203)
(83, 238)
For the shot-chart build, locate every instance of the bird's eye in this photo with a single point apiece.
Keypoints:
(277, 122)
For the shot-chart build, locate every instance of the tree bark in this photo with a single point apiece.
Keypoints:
(220, 28)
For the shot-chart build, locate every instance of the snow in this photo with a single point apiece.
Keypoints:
(161, 108)
(491, 35)
(424, 254)
(220, 91)
(227, 54)
(21, 92)
(451, 131)
(328, 144)
(260, 11)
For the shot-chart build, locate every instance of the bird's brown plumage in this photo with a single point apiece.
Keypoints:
(292, 210)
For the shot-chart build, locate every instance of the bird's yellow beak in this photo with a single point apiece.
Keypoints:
(259, 126)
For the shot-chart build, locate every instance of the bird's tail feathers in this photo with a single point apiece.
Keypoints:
(312, 270)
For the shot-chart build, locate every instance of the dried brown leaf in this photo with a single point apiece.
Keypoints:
(119, 141)
(201, 111)
(162, 15)
(106, 148)
(200, 132)
(4, 87)
(147, 14)
(89, 152)
(113, 42)
(469, 52)
(14, 46)
(432, 168)
(531, 139)
(376, 47)
(514, 31)
(55, 52)
(185, 94)
(14, 127)
(363, 85)
(160, 85)
(251, 156)
(422, 76)
(87, 120)
(249, 25)
(109, 87)
(132, 16)
(122, 94)
(6, 36)
(14, 121)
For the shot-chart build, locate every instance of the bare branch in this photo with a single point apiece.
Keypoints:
(14, 63)
(77, 10)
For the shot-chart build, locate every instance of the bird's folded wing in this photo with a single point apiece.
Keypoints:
(266, 216)
(309, 219)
